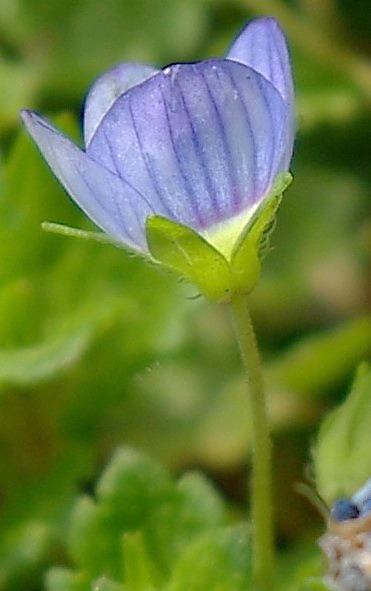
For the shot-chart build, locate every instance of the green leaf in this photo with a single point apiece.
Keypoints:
(92, 542)
(300, 567)
(220, 560)
(142, 522)
(23, 545)
(140, 571)
(29, 365)
(143, 483)
(342, 456)
(183, 250)
(200, 506)
(64, 579)
(320, 360)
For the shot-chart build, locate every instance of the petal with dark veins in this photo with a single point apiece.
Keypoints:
(201, 141)
(112, 204)
(107, 88)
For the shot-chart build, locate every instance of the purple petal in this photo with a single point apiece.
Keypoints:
(262, 46)
(362, 498)
(107, 88)
(110, 202)
(201, 141)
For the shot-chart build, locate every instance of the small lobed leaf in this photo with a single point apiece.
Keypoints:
(200, 505)
(342, 456)
(140, 571)
(133, 490)
(92, 541)
(219, 560)
(199, 508)
(141, 524)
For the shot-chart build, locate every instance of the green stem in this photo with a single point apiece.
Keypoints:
(261, 494)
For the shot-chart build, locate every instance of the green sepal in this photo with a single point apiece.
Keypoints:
(217, 275)
(254, 239)
(64, 230)
(183, 250)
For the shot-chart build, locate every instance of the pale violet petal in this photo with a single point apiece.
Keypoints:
(262, 46)
(362, 498)
(200, 141)
(286, 145)
(111, 203)
(107, 88)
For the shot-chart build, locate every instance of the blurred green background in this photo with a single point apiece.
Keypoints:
(98, 348)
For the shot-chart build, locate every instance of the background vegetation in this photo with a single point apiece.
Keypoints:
(99, 350)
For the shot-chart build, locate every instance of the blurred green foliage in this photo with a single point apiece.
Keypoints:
(99, 349)
(147, 532)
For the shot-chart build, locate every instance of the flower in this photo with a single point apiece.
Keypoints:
(200, 144)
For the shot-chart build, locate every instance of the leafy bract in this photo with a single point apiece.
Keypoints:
(342, 456)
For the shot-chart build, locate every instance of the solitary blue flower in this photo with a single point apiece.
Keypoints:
(200, 144)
